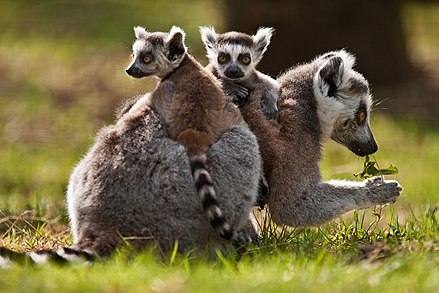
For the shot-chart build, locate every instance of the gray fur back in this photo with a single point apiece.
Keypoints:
(136, 182)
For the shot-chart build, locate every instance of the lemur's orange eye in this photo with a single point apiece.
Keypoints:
(246, 60)
(222, 59)
(147, 59)
(362, 117)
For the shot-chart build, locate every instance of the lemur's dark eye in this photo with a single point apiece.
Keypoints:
(245, 59)
(223, 58)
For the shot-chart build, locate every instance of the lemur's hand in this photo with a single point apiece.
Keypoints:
(238, 93)
(383, 191)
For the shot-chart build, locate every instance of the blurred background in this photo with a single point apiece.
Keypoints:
(62, 74)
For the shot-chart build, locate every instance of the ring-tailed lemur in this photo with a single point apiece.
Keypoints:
(196, 115)
(319, 100)
(233, 57)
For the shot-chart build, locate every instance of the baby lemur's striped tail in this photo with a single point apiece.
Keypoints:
(204, 185)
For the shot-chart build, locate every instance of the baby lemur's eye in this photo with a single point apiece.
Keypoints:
(245, 59)
(147, 59)
(223, 58)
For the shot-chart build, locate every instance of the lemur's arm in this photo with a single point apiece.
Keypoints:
(324, 201)
(240, 96)
(270, 95)
(162, 99)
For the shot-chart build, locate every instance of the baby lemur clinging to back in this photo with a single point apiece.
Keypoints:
(233, 57)
(196, 114)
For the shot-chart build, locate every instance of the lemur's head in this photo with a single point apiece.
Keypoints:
(235, 55)
(344, 103)
(156, 53)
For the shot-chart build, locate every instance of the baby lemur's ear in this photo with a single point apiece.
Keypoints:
(208, 36)
(175, 43)
(262, 39)
(140, 32)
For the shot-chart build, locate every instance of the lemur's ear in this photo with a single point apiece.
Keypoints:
(140, 32)
(262, 39)
(331, 75)
(175, 43)
(208, 36)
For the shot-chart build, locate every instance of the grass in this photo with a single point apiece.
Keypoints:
(63, 83)
(343, 255)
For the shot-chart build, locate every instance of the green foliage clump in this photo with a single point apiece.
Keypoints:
(371, 169)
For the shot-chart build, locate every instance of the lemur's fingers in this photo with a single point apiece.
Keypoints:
(384, 191)
(241, 91)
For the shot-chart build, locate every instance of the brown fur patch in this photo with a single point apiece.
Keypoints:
(198, 105)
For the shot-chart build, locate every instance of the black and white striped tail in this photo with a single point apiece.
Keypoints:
(62, 255)
(204, 185)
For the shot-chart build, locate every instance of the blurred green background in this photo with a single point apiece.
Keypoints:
(62, 74)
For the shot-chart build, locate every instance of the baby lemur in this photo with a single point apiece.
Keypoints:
(233, 57)
(325, 98)
(196, 115)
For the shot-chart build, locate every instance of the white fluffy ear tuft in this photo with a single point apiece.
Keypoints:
(140, 32)
(262, 39)
(208, 36)
(348, 59)
(176, 32)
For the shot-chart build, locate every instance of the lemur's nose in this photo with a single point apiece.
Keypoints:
(131, 70)
(135, 71)
(234, 72)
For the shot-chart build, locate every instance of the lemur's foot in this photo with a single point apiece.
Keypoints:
(263, 192)
(383, 191)
(269, 108)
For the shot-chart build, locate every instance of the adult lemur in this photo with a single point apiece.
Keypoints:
(135, 186)
(319, 100)
(196, 115)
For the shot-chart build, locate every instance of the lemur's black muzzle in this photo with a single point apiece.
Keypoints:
(135, 71)
(233, 71)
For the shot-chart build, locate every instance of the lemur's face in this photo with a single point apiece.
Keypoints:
(156, 54)
(352, 128)
(234, 61)
(235, 55)
(348, 101)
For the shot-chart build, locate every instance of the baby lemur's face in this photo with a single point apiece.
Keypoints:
(235, 55)
(156, 53)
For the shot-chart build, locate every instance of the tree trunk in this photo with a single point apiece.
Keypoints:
(372, 30)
